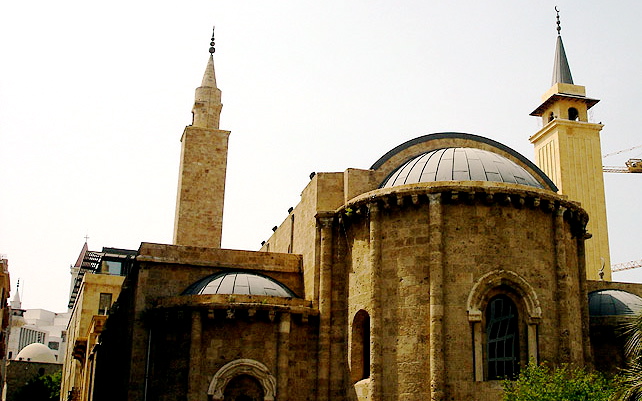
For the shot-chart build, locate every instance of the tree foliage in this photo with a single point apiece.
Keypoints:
(566, 383)
(41, 388)
(631, 389)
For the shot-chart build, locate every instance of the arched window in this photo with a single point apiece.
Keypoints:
(360, 349)
(502, 338)
(551, 117)
(573, 114)
(504, 312)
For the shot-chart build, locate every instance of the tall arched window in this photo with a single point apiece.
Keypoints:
(502, 338)
(573, 114)
(360, 347)
(503, 309)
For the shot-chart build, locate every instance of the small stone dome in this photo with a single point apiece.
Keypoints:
(36, 352)
(243, 283)
(460, 164)
(613, 303)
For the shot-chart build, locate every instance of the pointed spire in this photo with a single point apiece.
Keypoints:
(561, 69)
(207, 102)
(16, 303)
(209, 78)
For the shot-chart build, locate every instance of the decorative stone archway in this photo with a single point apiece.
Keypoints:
(502, 277)
(242, 367)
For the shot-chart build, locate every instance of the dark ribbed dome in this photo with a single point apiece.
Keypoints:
(239, 283)
(613, 303)
(460, 164)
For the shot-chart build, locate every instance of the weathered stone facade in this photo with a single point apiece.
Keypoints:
(433, 288)
(423, 260)
(392, 289)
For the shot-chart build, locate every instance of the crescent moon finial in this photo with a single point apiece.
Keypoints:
(559, 27)
(212, 49)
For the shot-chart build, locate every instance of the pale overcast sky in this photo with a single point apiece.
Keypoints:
(94, 97)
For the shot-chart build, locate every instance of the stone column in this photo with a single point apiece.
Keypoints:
(376, 315)
(533, 352)
(283, 356)
(586, 340)
(478, 350)
(564, 350)
(437, 354)
(194, 391)
(325, 308)
(339, 331)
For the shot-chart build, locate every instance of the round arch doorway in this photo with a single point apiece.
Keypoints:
(244, 388)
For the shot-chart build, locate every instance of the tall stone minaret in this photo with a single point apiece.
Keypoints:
(568, 150)
(201, 181)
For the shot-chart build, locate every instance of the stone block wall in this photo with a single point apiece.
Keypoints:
(201, 187)
(534, 236)
(179, 342)
(20, 372)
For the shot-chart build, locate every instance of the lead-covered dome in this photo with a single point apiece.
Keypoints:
(242, 283)
(460, 164)
(613, 303)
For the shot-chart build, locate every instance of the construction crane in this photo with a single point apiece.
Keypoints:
(631, 165)
(618, 267)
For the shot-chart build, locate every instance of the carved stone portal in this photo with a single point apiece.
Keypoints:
(238, 367)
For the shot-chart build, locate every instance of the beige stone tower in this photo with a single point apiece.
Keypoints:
(568, 150)
(201, 181)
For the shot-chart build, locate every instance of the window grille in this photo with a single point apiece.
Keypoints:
(502, 344)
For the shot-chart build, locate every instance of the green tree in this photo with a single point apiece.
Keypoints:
(566, 383)
(631, 389)
(41, 388)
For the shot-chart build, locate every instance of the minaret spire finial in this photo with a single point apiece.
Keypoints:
(561, 70)
(212, 49)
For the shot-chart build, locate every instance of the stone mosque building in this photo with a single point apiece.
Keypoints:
(449, 264)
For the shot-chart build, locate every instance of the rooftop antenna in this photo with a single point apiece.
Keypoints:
(559, 26)
(212, 49)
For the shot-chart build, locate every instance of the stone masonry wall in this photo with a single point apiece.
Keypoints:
(224, 339)
(167, 270)
(480, 235)
(201, 187)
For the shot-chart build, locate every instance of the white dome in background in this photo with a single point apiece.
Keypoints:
(37, 352)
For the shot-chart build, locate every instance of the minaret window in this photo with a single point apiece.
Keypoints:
(551, 117)
(573, 114)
